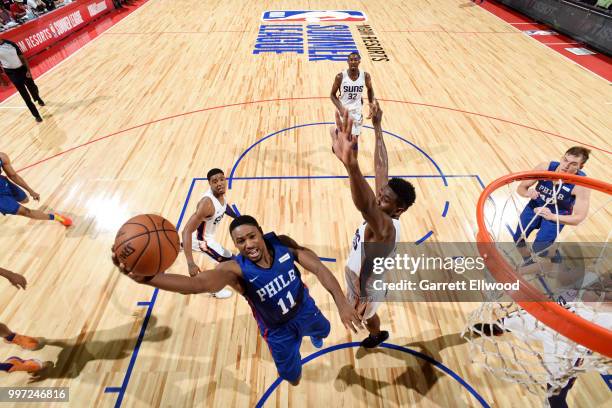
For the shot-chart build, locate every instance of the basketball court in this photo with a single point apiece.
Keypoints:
(136, 117)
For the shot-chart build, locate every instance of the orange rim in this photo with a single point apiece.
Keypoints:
(550, 313)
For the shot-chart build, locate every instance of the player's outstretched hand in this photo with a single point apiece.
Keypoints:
(35, 195)
(373, 109)
(124, 270)
(533, 194)
(194, 270)
(17, 280)
(350, 318)
(545, 213)
(344, 145)
(378, 113)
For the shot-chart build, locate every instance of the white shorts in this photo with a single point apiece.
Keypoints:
(213, 249)
(364, 307)
(357, 121)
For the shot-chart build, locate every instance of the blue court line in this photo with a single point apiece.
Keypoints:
(147, 303)
(424, 237)
(327, 259)
(417, 354)
(236, 210)
(231, 176)
(128, 374)
(446, 205)
(608, 380)
(480, 181)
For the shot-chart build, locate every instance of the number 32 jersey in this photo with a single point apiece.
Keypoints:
(351, 91)
(275, 294)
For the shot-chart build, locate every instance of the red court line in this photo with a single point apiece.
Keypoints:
(301, 99)
(450, 32)
(176, 32)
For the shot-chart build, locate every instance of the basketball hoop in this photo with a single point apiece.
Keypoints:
(572, 338)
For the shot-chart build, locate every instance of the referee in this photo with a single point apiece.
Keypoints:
(17, 69)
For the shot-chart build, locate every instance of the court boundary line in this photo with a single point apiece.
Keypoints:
(390, 346)
(118, 132)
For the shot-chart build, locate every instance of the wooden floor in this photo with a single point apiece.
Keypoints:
(177, 90)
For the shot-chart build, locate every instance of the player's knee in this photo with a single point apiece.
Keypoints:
(293, 380)
(24, 211)
(25, 200)
(292, 375)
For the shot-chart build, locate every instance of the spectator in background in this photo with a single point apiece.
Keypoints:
(5, 15)
(49, 4)
(37, 6)
(18, 10)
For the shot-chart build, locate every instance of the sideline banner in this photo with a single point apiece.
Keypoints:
(38, 34)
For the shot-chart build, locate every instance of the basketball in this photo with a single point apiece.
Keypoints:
(147, 244)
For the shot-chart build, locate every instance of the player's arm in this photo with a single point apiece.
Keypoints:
(311, 262)
(363, 196)
(205, 210)
(16, 178)
(523, 187)
(230, 211)
(371, 99)
(334, 93)
(17, 280)
(579, 211)
(381, 161)
(208, 281)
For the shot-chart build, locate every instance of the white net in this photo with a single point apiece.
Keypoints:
(571, 265)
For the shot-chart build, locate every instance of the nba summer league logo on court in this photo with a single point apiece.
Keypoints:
(332, 42)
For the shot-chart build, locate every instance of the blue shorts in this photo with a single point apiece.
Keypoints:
(547, 230)
(10, 196)
(285, 341)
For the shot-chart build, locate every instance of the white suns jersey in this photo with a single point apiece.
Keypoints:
(354, 259)
(209, 227)
(351, 91)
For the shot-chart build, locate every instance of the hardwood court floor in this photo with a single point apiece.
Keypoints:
(178, 91)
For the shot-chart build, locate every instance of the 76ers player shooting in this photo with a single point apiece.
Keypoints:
(350, 83)
(266, 275)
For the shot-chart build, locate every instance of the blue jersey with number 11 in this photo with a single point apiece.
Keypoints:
(275, 294)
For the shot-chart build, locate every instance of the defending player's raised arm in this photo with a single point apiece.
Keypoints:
(16, 178)
(371, 100)
(334, 93)
(523, 187)
(205, 210)
(344, 146)
(381, 161)
(17, 280)
(311, 262)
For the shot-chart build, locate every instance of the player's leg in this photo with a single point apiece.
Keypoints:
(559, 400)
(357, 122)
(284, 343)
(366, 309)
(546, 236)
(218, 254)
(11, 204)
(528, 221)
(313, 323)
(25, 342)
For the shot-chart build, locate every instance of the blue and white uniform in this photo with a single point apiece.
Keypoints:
(562, 201)
(10, 195)
(282, 306)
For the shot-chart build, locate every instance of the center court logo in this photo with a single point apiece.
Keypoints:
(333, 42)
(313, 16)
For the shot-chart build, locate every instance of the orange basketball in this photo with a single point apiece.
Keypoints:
(147, 244)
